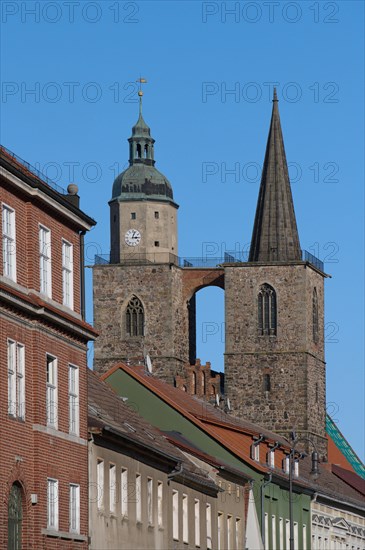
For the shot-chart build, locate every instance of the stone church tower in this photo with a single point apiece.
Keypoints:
(274, 313)
(144, 298)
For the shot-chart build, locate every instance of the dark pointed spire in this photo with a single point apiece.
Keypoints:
(275, 234)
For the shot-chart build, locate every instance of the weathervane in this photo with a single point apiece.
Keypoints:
(140, 92)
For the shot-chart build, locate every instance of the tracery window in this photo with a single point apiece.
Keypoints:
(135, 317)
(267, 312)
(315, 316)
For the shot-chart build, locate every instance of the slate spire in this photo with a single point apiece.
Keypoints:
(275, 235)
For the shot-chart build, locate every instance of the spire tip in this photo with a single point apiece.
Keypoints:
(275, 98)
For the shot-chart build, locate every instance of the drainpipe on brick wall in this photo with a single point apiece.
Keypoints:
(82, 274)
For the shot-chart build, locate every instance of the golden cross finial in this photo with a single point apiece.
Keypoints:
(140, 92)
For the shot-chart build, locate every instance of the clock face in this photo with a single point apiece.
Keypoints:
(132, 237)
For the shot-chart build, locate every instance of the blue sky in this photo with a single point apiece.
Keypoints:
(69, 101)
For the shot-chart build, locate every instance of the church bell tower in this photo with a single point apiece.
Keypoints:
(274, 312)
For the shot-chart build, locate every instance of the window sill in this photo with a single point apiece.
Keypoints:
(16, 418)
(64, 535)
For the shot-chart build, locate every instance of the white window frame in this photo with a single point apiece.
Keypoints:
(185, 518)
(209, 525)
(229, 532)
(45, 261)
(139, 498)
(160, 492)
(238, 528)
(100, 483)
(197, 521)
(112, 488)
(273, 532)
(150, 501)
(255, 452)
(281, 532)
(74, 508)
(51, 391)
(9, 242)
(267, 542)
(271, 459)
(124, 492)
(52, 504)
(220, 529)
(286, 464)
(73, 400)
(16, 379)
(175, 515)
(67, 274)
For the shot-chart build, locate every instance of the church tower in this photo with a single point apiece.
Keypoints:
(143, 214)
(274, 313)
(138, 293)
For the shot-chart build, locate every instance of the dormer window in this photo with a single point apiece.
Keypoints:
(296, 468)
(271, 458)
(286, 464)
(255, 452)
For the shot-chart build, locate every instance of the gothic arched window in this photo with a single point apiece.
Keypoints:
(315, 316)
(139, 151)
(266, 302)
(15, 516)
(134, 317)
(194, 382)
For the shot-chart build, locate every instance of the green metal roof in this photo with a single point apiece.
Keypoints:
(343, 445)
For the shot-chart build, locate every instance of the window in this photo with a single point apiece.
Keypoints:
(286, 463)
(112, 489)
(45, 260)
(100, 483)
(271, 459)
(197, 521)
(157, 215)
(135, 318)
(67, 274)
(238, 533)
(133, 216)
(52, 504)
(175, 515)
(266, 302)
(157, 243)
(296, 535)
(267, 543)
(124, 492)
(315, 316)
(74, 508)
(273, 532)
(150, 501)
(287, 533)
(296, 468)
(138, 498)
(229, 533)
(51, 398)
(220, 531)
(255, 452)
(185, 518)
(209, 525)
(9, 247)
(304, 535)
(16, 380)
(15, 517)
(160, 503)
(281, 533)
(267, 382)
(73, 399)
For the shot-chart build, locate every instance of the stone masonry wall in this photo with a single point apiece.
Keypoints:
(295, 364)
(158, 286)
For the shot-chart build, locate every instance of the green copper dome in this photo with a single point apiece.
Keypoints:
(141, 180)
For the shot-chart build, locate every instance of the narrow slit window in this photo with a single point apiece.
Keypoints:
(315, 316)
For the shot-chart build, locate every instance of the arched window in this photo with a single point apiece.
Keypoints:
(15, 516)
(194, 382)
(266, 302)
(315, 315)
(146, 151)
(134, 317)
(203, 382)
(139, 151)
(267, 382)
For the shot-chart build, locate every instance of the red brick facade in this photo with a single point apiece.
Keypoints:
(30, 449)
